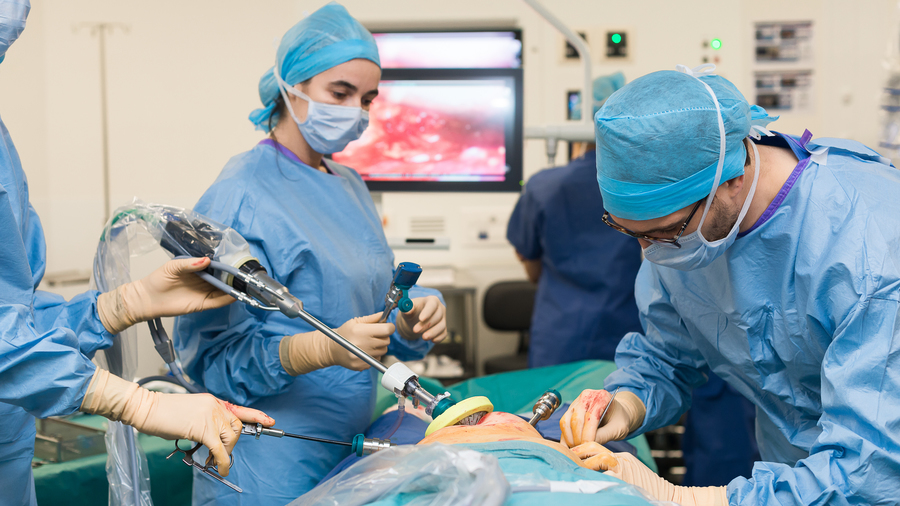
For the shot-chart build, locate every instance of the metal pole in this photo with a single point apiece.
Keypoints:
(104, 120)
(587, 94)
(134, 465)
(100, 29)
(321, 327)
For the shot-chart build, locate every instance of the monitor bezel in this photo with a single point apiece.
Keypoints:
(517, 34)
(514, 142)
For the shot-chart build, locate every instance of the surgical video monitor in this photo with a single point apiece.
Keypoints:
(455, 126)
(442, 130)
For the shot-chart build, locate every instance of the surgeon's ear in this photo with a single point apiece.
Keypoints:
(749, 157)
(731, 189)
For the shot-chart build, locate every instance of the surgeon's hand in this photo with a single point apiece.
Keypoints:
(595, 456)
(171, 290)
(631, 470)
(581, 423)
(196, 417)
(303, 353)
(426, 320)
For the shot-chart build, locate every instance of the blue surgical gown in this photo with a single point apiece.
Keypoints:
(42, 371)
(801, 316)
(585, 295)
(320, 235)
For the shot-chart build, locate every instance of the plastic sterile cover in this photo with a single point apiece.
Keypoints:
(180, 232)
(134, 230)
(432, 475)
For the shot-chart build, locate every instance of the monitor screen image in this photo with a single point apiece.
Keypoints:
(460, 129)
(434, 131)
(401, 50)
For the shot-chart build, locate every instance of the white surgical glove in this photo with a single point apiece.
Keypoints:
(171, 290)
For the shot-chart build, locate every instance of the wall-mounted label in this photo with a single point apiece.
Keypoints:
(784, 91)
(784, 42)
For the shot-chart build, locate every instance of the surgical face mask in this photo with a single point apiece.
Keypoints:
(696, 252)
(328, 128)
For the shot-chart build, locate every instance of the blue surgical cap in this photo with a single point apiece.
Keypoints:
(658, 142)
(324, 39)
(12, 22)
(604, 86)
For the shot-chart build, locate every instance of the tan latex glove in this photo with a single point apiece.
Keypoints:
(197, 417)
(595, 456)
(307, 352)
(426, 320)
(171, 290)
(581, 422)
(631, 470)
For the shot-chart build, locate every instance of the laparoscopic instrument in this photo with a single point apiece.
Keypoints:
(545, 406)
(608, 405)
(252, 285)
(234, 270)
(405, 276)
(207, 469)
(360, 445)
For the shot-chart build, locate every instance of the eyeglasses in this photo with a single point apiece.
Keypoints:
(672, 243)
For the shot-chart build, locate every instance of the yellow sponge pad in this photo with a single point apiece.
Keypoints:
(459, 411)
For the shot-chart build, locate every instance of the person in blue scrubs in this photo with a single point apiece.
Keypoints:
(585, 273)
(312, 224)
(46, 342)
(584, 270)
(786, 284)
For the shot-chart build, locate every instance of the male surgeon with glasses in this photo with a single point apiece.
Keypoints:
(771, 260)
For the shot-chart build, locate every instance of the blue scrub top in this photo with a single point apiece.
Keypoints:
(45, 341)
(319, 234)
(585, 296)
(800, 315)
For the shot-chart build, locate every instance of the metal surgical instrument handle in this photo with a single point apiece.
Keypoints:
(608, 405)
(360, 445)
(188, 459)
(545, 406)
(334, 336)
(265, 293)
(405, 276)
(270, 295)
(258, 430)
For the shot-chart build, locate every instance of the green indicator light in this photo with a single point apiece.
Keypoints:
(521, 183)
(616, 38)
(716, 44)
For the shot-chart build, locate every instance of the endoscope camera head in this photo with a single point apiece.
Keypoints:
(405, 277)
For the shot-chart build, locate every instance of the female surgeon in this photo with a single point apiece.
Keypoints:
(46, 342)
(313, 226)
